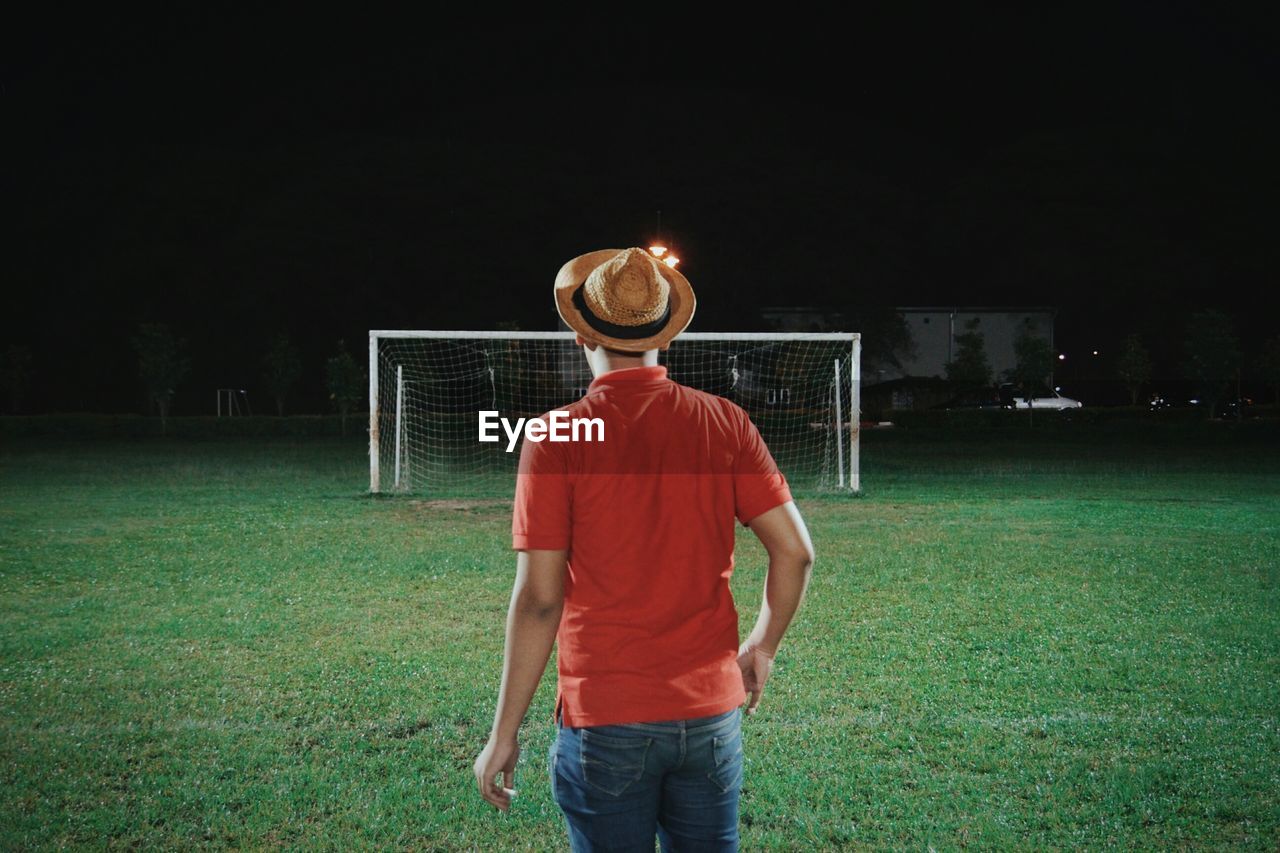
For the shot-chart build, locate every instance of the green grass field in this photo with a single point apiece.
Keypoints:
(1021, 645)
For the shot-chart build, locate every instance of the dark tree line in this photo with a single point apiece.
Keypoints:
(163, 364)
(1210, 355)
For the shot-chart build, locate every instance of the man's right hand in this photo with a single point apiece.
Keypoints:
(756, 664)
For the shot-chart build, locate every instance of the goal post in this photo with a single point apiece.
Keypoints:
(426, 389)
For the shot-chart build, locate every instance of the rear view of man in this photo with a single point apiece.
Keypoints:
(625, 550)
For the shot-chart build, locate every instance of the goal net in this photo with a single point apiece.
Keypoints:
(426, 390)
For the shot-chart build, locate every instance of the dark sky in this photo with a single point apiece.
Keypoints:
(239, 178)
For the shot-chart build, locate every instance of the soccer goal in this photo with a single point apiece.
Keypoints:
(426, 389)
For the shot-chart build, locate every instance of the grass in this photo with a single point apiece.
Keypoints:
(1030, 645)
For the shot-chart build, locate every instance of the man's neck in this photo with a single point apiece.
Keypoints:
(602, 361)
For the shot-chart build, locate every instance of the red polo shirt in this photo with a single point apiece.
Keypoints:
(649, 630)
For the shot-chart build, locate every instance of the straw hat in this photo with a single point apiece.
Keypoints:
(624, 299)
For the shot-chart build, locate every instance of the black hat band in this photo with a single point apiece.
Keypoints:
(613, 330)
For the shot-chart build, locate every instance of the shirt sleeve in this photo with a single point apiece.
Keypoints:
(758, 484)
(540, 519)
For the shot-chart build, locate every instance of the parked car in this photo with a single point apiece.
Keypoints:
(1054, 401)
(1047, 398)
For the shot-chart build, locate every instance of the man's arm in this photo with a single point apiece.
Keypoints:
(532, 621)
(785, 537)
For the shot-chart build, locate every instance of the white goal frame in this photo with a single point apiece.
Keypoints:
(849, 426)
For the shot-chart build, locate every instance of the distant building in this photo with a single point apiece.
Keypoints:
(920, 382)
(934, 332)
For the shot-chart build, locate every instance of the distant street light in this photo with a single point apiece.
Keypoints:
(669, 260)
(1062, 356)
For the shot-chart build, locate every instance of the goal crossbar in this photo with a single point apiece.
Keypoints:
(568, 336)
(847, 384)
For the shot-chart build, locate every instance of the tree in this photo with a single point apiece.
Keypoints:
(970, 365)
(282, 367)
(886, 337)
(1269, 365)
(162, 365)
(1211, 354)
(1133, 366)
(347, 382)
(1033, 364)
(1033, 361)
(15, 374)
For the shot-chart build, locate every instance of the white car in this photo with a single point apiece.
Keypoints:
(1055, 403)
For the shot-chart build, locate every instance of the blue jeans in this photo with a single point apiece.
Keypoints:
(617, 785)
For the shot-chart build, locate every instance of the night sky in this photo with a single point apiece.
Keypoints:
(242, 178)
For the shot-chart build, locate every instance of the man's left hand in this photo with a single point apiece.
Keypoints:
(498, 757)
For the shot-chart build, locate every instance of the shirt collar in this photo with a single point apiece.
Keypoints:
(630, 377)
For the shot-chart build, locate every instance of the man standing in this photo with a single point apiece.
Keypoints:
(625, 550)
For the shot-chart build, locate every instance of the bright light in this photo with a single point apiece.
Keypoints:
(658, 251)
(1062, 356)
(671, 261)
(1095, 352)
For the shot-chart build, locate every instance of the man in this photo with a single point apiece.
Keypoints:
(625, 550)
